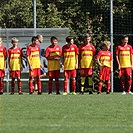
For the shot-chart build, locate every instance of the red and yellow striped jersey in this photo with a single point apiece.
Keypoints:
(86, 53)
(3, 55)
(15, 56)
(105, 58)
(69, 56)
(34, 56)
(53, 51)
(124, 53)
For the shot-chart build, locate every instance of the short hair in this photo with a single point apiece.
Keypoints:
(38, 36)
(106, 43)
(87, 35)
(124, 36)
(53, 38)
(14, 39)
(34, 38)
(69, 38)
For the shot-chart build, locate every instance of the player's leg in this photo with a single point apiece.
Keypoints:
(18, 74)
(66, 77)
(50, 82)
(122, 80)
(129, 79)
(2, 73)
(108, 87)
(39, 85)
(31, 79)
(82, 85)
(1, 86)
(12, 86)
(57, 83)
(100, 84)
(90, 83)
(19, 86)
(82, 74)
(73, 78)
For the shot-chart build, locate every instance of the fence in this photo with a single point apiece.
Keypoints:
(24, 36)
(103, 19)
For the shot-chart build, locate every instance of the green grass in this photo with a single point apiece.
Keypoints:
(66, 114)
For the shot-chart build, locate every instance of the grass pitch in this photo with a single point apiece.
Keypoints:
(66, 114)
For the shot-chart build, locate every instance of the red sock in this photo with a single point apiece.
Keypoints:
(74, 85)
(100, 86)
(50, 86)
(19, 86)
(65, 85)
(39, 85)
(108, 86)
(129, 84)
(57, 84)
(123, 84)
(1, 86)
(12, 86)
(30, 85)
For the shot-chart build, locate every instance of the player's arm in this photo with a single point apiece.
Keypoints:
(28, 60)
(5, 59)
(76, 59)
(117, 59)
(131, 57)
(98, 61)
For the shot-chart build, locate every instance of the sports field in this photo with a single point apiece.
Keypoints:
(66, 114)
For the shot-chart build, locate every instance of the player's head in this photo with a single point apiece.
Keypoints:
(70, 39)
(54, 40)
(34, 40)
(87, 38)
(106, 45)
(40, 38)
(14, 41)
(0, 40)
(124, 39)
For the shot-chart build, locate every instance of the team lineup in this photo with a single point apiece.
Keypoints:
(69, 58)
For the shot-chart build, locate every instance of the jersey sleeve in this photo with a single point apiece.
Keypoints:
(76, 49)
(47, 52)
(28, 51)
(99, 55)
(117, 50)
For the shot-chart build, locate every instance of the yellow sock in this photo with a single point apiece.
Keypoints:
(90, 81)
(82, 83)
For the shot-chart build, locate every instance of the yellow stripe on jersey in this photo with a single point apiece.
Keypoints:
(125, 59)
(35, 59)
(69, 60)
(86, 59)
(1, 60)
(105, 61)
(54, 53)
(53, 65)
(15, 62)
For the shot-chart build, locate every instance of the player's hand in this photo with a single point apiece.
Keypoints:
(76, 66)
(119, 67)
(62, 67)
(57, 57)
(30, 68)
(21, 68)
